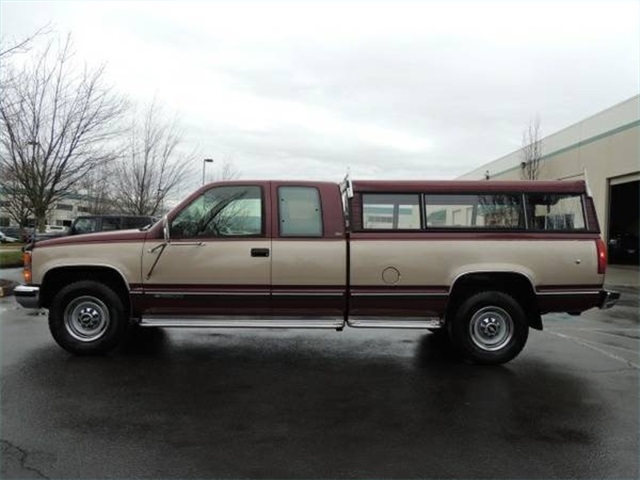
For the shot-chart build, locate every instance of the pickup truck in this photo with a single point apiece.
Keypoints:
(480, 260)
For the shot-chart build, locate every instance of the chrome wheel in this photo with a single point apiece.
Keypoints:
(86, 318)
(491, 328)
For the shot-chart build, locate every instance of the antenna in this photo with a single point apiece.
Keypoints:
(586, 181)
(346, 186)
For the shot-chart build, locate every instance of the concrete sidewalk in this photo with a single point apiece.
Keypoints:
(623, 275)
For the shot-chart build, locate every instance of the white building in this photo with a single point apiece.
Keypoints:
(606, 146)
(62, 214)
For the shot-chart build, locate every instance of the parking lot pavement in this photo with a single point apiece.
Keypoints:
(314, 404)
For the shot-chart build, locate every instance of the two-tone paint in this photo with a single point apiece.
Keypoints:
(371, 278)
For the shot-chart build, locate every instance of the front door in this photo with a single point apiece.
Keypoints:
(218, 260)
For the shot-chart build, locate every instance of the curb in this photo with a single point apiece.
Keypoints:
(6, 287)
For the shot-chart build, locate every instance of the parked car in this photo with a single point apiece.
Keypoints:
(7, 239)
(624, 248)
(50, 231)
(481, 260)
(104, 223)
(56, 229)
(16, 232)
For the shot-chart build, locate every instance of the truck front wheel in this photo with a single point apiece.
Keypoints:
(87, 318)
(489, 328)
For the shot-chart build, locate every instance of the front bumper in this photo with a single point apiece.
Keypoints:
(28, 296)
(608, 298)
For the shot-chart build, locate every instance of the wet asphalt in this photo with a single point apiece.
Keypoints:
(321, 404)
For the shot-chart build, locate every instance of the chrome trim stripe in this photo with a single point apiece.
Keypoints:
(308, 294)
(398, 294)
(363, 322)
(242, 322)
(184, 293)
(249, 293)
(570, 292)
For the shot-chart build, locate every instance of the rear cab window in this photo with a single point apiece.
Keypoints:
(299, 212)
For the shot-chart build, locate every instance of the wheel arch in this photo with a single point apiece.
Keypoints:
(58, 277)
(517, 284)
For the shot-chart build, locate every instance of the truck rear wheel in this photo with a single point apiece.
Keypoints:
(489, 328)
(87, 318)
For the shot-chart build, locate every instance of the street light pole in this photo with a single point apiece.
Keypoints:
(204, 164)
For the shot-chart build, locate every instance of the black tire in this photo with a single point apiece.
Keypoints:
(489, 328)
(88, 318)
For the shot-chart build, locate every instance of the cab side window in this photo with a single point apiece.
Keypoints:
(230, 211)
(300, 212)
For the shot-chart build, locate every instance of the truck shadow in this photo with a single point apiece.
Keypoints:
(435, 349)
(145, 341)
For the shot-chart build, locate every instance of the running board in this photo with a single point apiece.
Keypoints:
(200, 321)
(398, 322)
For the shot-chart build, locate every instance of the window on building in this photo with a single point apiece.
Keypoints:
(64, 206)
(300, 212)
(555, 212)
(501, 211)
(385, 211)
(82, 209)
(5, 221)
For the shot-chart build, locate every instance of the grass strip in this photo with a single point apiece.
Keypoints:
(10, 258)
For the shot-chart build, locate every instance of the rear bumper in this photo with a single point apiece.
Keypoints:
(608, 298)
(28, 296)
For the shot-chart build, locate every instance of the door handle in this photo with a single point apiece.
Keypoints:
(259, 252)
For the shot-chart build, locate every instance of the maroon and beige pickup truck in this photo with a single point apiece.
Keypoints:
(481, 260)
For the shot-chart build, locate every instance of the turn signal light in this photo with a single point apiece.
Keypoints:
(26, 271)
(602, 256)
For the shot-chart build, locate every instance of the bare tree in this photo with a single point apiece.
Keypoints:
(56, 120)
(97, 191)
(227, 172)
(13, 47)
(15, 202)
(153, 166)
(531, 151)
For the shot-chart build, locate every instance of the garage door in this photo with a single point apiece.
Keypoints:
(623, 232)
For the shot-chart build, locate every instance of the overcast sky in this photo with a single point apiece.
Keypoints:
(419, 89)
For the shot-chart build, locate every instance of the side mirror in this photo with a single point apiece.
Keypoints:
(165, 229)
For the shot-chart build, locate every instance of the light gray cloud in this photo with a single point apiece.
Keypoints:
(391, 90)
